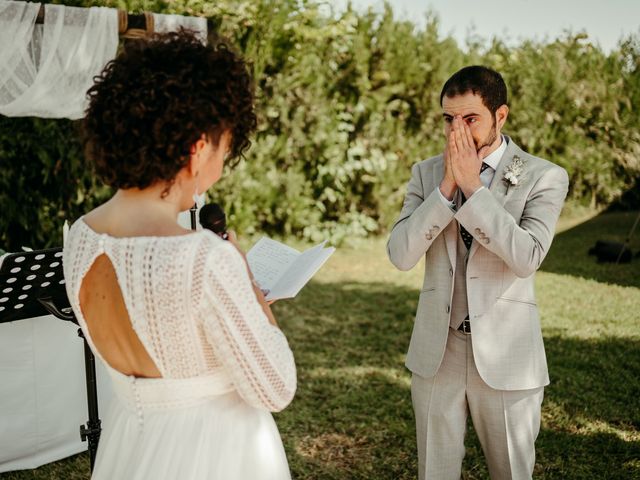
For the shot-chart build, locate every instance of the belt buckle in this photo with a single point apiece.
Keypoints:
(465, 327)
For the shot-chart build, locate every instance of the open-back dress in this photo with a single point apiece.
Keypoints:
(224, 367)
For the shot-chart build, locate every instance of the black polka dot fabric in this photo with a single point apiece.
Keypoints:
(466, 237)
(28, 277)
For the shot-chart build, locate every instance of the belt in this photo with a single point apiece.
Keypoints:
(465, 327)
(168, 393)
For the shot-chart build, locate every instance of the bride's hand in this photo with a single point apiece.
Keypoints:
(265, 292)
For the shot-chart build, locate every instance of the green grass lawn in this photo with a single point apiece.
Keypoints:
(349, 330)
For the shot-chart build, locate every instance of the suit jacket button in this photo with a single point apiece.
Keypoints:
(428, 236)
(436, 228)
(450, 272)
(486, 241)
(478, 231)
(448, 308)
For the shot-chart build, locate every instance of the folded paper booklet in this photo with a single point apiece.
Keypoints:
(282, 270)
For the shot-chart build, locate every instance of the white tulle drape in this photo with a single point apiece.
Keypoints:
(45, 70)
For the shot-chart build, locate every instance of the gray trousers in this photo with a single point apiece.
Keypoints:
(507, 422)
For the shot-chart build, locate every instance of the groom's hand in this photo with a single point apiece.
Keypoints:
(448, 184)
(465, 161)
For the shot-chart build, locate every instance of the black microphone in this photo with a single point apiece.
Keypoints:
(212, 218)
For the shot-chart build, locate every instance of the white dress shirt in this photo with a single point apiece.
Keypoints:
(493, 159)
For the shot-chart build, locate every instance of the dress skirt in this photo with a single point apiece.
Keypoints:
(197, 428)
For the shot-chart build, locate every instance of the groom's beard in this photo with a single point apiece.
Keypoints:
(489, 140)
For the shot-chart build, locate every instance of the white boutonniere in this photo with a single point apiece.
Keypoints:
(513, 172)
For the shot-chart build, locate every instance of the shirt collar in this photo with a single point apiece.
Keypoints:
(494, 158)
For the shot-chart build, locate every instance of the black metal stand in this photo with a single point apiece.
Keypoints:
(32, 285)
(91, 431)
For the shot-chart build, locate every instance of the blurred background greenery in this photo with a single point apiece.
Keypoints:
(347, 103)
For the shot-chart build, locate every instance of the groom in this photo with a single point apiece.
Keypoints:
(482, 215)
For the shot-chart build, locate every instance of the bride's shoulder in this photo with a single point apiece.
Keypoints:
(211, 243)
(214, 251)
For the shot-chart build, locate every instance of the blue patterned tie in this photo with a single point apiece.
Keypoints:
(466, 236)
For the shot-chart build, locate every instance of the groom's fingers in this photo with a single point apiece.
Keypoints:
(468, 138)
(470, 141)
(453, 149)
(445, 154)
(450, 141)
(460, 124)
(459, 141)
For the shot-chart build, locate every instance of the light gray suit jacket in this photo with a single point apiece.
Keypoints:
(512, 228)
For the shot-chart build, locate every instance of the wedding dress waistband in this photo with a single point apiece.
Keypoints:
(167, 393)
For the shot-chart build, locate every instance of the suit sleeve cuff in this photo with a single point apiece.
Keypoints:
(474, 193)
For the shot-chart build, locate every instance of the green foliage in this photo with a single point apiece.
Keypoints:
(347, 103)
(43, 181)
(582, 121)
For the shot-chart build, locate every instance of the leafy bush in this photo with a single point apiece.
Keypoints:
(347, 103)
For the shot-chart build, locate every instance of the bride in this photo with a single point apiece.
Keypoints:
(195, 355)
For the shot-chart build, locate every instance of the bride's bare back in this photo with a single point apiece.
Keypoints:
(108, 321)
(101, 298)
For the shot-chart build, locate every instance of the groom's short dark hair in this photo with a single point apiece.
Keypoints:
(482, 81)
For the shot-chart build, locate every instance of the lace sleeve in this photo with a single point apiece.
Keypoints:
(255, 352)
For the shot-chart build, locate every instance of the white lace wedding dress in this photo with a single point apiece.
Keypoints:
(224, 366)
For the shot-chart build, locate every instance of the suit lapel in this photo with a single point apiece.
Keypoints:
(450, 240)
(498, 187)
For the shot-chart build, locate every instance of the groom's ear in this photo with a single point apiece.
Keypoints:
(501, 116)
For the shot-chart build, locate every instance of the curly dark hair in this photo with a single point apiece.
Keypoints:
(479, 80)
(156, 99)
